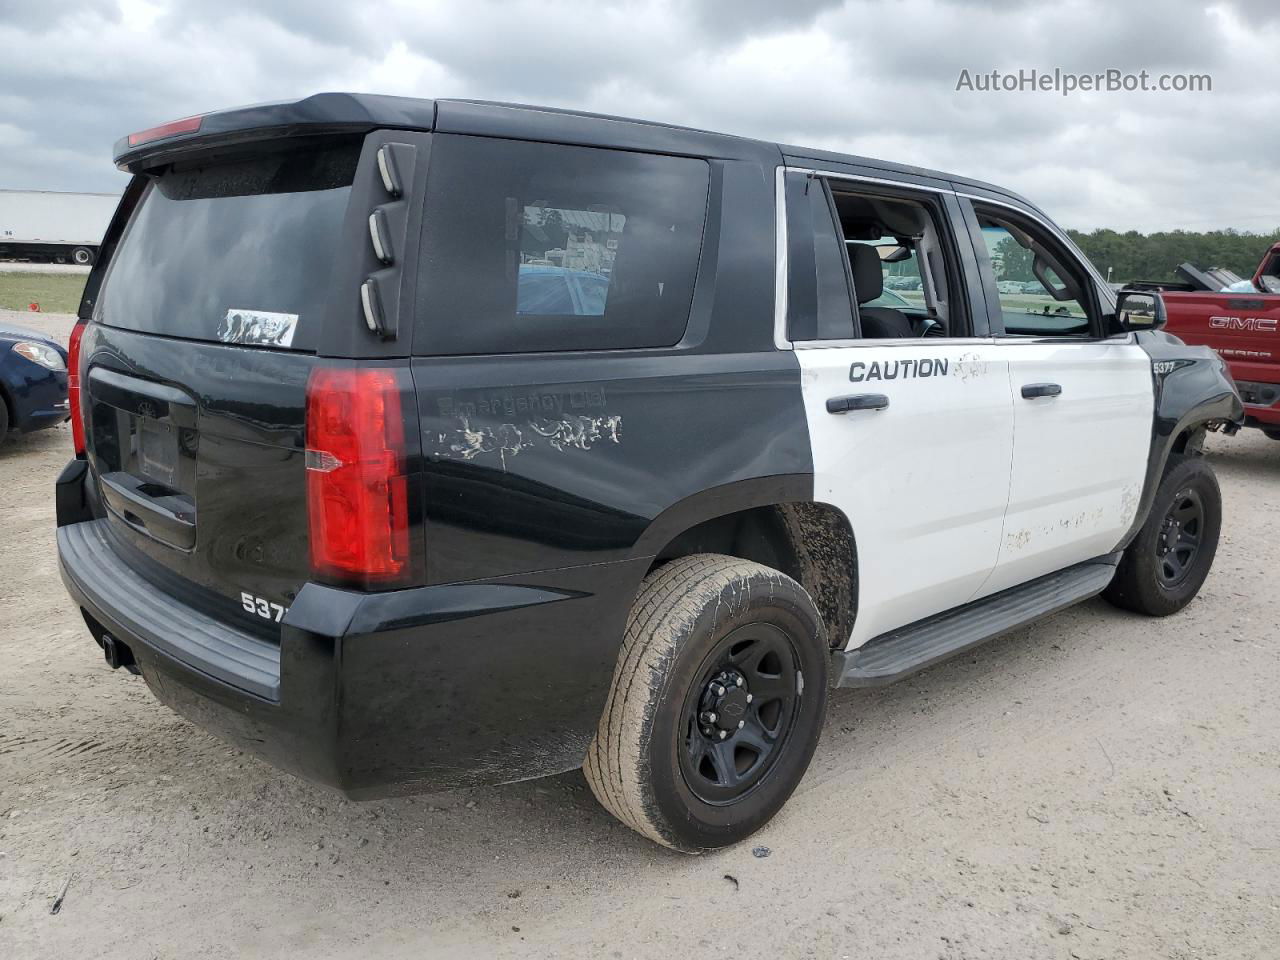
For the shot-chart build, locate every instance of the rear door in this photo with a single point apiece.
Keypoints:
(912, 438)
(1083, 401)
(207, 324)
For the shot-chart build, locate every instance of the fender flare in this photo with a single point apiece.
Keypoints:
(719, 501)
(1192, 389)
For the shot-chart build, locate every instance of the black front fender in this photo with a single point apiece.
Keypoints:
(1192, 389)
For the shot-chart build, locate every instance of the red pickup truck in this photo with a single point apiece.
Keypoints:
(1242, 323)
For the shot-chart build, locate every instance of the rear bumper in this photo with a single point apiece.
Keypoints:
(1266, 419)
(377, 694)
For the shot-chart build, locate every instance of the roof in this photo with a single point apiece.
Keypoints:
(354, 112)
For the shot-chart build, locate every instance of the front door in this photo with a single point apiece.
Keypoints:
(1083, 405)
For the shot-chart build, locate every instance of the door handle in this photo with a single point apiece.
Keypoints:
(1032, 390)
(859, 401)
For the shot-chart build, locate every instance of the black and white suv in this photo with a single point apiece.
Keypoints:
(442, 443)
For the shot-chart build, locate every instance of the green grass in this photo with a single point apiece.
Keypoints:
(55, 292)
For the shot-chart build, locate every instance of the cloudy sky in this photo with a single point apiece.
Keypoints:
(872, 77)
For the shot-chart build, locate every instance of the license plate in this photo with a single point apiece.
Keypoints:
(157, 451)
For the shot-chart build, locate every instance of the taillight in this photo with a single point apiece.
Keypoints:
(357, 491)
(73, 387)
(170, 129)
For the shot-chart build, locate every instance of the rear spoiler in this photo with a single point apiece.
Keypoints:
(323, 113)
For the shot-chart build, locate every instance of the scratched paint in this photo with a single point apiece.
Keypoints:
(507, 440)
(579, 432)
(1129, 498)
(1020, 539)
(969, 366)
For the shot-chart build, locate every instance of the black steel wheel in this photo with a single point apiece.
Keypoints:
(716, 704)
(1178, 545)
(738, 715)
(1166, 564)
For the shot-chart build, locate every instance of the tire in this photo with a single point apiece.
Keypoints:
(1160, 572)
(1272, 433)
(82, 255)
(4, 419)
(698, 624)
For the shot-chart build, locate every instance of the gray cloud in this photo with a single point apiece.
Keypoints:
(731, 19)
(872, 77)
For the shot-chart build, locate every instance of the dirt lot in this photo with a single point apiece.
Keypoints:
(1098, 785)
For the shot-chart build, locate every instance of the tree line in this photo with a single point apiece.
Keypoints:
(1155, 256)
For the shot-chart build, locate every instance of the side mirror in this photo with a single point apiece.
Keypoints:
(1140, 310)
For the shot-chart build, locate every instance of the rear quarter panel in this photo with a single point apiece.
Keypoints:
(538, 461)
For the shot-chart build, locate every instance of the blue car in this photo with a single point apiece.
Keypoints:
(557, 291)
(33, 381)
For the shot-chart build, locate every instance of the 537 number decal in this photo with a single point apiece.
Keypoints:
(263, 608)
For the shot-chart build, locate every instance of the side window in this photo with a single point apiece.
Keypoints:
(1270, 275)
(903, 262)
(534, 246)
(1041, 295)
(868, 266)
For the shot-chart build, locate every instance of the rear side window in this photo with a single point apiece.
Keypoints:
(533, 246)
(238, 251)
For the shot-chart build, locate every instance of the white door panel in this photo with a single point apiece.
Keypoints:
(1079, 458)
(925, 481)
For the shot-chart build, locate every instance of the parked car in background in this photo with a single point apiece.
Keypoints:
(889, 299)
(558, 290)
(52, 226)
(33, 381)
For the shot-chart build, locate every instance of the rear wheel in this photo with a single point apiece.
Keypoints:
(1165, 566)
(717, 703)
(82, 256)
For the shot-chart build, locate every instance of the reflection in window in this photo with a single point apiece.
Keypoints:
(566, 259)
(534, 247)
(1029, 307)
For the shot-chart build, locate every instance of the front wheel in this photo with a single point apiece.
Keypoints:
(82, 256)
(1165, 566)
(717, 703)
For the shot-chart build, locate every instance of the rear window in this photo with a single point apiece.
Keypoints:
(234, 251)
(533, 246)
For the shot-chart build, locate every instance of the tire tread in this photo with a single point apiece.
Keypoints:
(670, 600)
(1135, 586)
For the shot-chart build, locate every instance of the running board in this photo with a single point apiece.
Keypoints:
(899, 653)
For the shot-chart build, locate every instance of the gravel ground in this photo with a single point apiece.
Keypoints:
(1097, 785)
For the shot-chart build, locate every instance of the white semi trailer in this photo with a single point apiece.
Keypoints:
(62, 227)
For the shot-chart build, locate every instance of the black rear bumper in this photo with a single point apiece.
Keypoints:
(378, 694)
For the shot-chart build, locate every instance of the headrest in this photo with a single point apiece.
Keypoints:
(868, 281)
